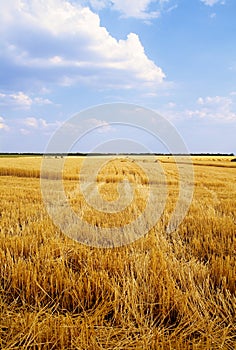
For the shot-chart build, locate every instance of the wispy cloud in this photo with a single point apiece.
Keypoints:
(3, 124)
(35, 126)
(139, 9)
(20, 100)
(217, 108)
(220, 109)
(212, 2)
(102, 125)
(172, 8)
(38, 123)
(29, 126)
(213, 15)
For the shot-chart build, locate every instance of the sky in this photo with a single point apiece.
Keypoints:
(174, 57)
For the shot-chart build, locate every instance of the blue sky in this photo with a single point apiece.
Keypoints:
(176, 57)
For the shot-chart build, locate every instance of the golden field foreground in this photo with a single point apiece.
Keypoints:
(164, 291)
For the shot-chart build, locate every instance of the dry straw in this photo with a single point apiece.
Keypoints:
(161, 292)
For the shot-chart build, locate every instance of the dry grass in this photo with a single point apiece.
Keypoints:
(161, 292)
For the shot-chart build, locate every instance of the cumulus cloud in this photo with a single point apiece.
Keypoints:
(63, 42)
(218, 108)
(21, 100)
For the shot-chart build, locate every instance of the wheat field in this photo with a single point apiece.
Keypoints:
(163, 291)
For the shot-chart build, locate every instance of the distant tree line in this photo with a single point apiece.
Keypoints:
(5, 154)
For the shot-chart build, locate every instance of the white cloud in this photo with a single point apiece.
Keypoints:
(31, 122)
(63, 42)
(221, 109)
(171, 105)
(214, 101)
(20, 100)
(98, 4)
(213, 15)
(212, 2)
(103, 126)
(139, 9)
(29, 126)
(36, 127)
(24, 131)
(131, 8)
(135, 8)
(218, 108)
(3, 125)
(38, 123)
(172, 8)
(42, 101)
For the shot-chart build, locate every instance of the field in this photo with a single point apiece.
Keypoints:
(163, 291)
